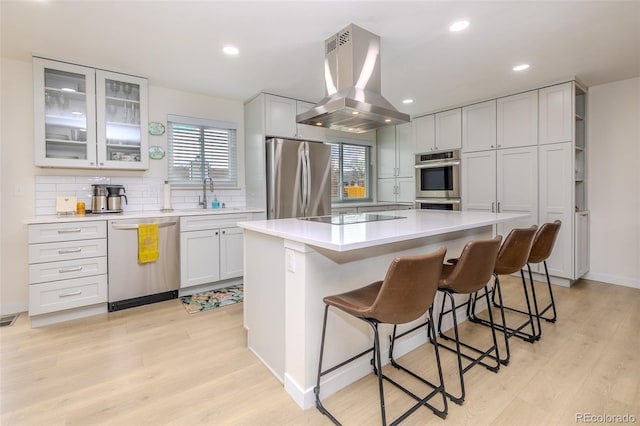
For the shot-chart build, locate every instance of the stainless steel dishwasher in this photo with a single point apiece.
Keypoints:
(134, 284)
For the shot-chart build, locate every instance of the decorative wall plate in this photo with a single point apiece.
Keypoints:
(156, 152)
(156, 129)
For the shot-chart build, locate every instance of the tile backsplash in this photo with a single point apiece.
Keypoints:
(143, 194)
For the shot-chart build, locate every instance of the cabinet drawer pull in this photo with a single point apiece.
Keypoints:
(73, 293)
(69, 231)
(64, 270)
(67, 251)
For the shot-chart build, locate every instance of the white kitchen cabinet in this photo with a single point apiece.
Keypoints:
(87, 118)
(504, 180)
(479, 127)
(231, 253)
(448, 132)
(280, 119)
(478, 181)
(199, 257)
(556, 203)
(211, 248)
(517, 186)
(556, 113)
(517, 120)
(395, 164)
(424, 133)
(67, 271)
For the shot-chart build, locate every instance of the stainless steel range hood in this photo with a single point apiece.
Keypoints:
(353, 102)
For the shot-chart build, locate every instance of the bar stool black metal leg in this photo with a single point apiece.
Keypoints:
(535, 304)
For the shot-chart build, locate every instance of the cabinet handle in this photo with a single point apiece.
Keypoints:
(78, 250)
(74, 293)
(493, 207)
(69, 231)
(224, 232)
(498, 206)
(491, 146)
(216, 232)
(65, 270)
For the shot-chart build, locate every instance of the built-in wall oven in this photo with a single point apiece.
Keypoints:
(438, 180)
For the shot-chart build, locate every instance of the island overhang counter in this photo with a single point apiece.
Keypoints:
(291, 264)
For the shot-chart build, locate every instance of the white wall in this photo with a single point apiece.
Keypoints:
(614, 182)
(18, 171)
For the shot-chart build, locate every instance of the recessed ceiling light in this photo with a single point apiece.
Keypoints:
(458, 26)
(521, 67)
(407, 101)
(230, 50)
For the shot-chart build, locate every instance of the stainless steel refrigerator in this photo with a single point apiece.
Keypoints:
(298, 178)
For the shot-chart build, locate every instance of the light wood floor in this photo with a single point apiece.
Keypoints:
(159, 365)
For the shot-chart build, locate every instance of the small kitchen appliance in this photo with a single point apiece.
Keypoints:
(107, 198)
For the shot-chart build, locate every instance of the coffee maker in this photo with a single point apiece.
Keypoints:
(107, 198)
(114, 200)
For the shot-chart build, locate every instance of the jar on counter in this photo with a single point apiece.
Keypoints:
(81, 208)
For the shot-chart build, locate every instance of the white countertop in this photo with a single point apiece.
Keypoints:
(136, 215)
(413, 224)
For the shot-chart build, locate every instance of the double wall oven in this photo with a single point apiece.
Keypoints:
(438, 181)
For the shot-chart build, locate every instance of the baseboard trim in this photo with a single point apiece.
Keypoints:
(612, 279)
(13, 308)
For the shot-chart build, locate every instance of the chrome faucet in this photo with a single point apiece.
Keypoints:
(203, 203)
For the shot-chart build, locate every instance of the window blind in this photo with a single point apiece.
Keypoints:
(199, 148)
(350, 171)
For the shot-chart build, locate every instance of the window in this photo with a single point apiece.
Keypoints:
(350, 172)
(199, 148)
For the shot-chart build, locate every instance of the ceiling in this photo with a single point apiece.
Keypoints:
(177, 44)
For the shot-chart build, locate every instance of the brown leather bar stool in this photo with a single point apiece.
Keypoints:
(512, 257)
(407, 292)
(541, 250)
(471, 273)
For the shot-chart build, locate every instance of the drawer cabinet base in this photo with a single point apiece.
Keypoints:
(67, 315)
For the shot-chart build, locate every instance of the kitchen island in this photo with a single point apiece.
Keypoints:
(291, 264)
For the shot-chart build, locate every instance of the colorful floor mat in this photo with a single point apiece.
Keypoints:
(213, 299)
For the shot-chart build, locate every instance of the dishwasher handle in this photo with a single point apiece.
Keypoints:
(135, 226)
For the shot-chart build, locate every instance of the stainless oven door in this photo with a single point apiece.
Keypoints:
(438, 179)
(450, 204)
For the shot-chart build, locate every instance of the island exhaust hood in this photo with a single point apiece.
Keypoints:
(352, 101)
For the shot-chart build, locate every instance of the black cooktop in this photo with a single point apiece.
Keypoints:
(347, 219)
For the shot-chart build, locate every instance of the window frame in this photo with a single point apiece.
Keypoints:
(231, 182)
(368, 173)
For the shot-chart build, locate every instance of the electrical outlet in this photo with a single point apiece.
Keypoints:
(291, 260)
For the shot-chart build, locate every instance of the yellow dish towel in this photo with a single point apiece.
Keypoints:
(147, 242)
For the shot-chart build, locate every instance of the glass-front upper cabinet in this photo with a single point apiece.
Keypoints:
(87, 118)
(123, 132)
(64, 103)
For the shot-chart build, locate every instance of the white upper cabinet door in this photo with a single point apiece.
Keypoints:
(479, 127)
(448, 130)
(478, 181)
(424, 133)
(386, 148)
(304, 131)
(404, 151)
(122, 119)
(280, 116)
(64, 114)
(517, 118)
(556, 114)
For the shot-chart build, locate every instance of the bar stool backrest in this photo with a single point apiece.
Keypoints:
(514, 252)
(408, 289)
(544, 241)
(474, 267)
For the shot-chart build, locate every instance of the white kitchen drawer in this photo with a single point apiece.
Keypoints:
(67, 250)
(58, 295)
(200, 223)
(68, 231)
(55, 271)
